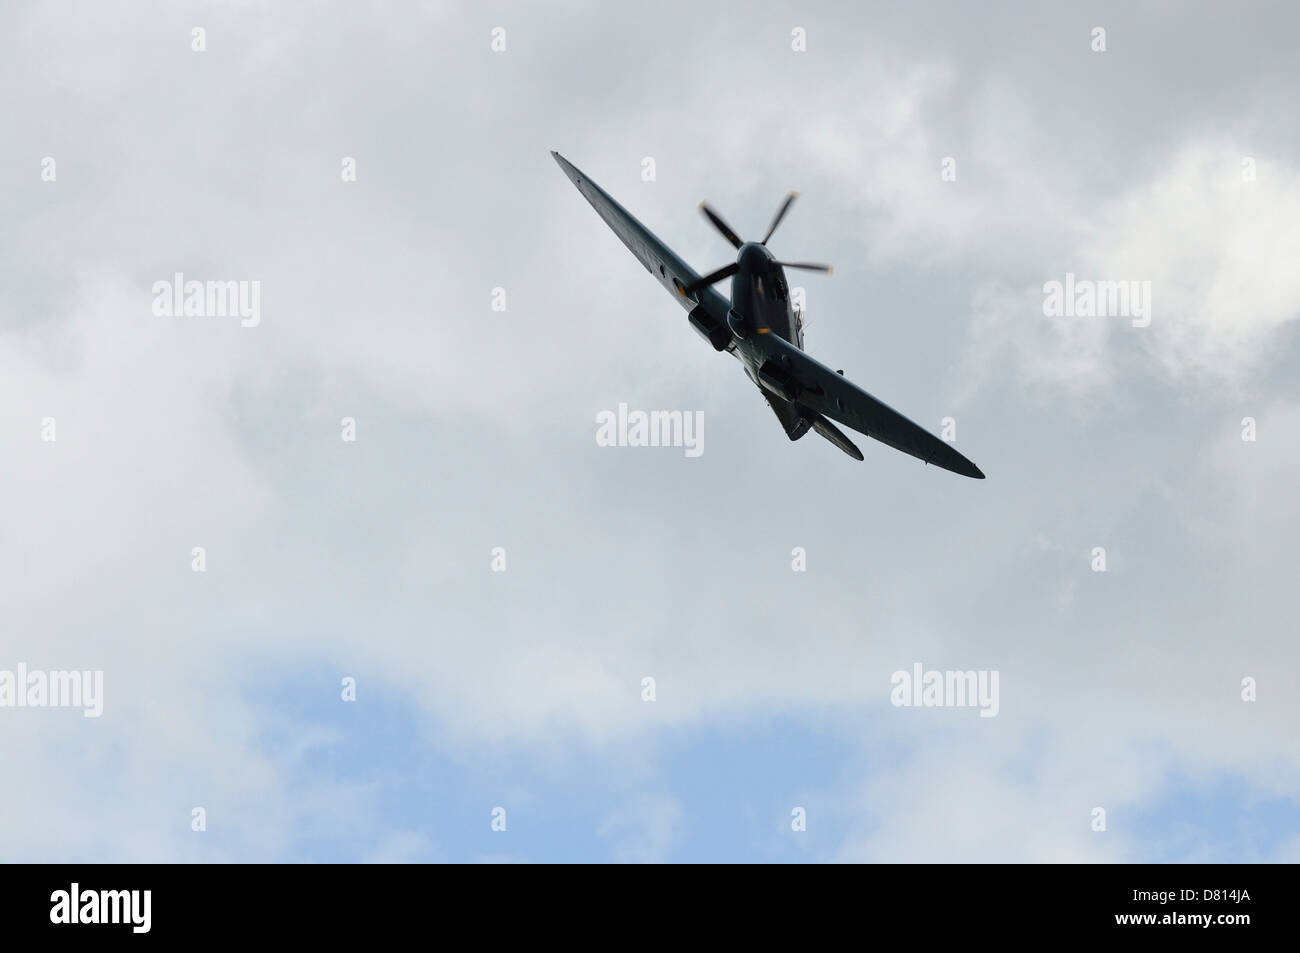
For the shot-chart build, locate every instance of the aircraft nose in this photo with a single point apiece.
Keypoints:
(753, 256)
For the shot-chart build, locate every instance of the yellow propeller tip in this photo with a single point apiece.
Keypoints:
(830, 271)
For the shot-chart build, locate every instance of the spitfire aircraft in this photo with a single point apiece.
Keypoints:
(760, 328)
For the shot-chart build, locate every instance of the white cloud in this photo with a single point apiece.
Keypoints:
(476, 430)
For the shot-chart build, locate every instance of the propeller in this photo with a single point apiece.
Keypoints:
(726, 271)
(806, 266)
(780, 214)
(720, 225)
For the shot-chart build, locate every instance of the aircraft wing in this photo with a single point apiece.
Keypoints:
(661, 261)
(831, 394)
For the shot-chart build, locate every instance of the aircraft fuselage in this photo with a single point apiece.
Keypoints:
(761, 296)
(760, 306)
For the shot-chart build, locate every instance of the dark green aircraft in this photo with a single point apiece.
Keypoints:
(760, 328)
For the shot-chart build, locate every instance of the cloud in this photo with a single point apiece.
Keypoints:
(476, 428)
(643, 831)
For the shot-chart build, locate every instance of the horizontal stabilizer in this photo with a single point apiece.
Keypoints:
(836, 436)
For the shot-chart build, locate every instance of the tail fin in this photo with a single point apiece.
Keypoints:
(834, 435)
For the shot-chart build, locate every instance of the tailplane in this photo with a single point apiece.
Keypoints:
(834, 435)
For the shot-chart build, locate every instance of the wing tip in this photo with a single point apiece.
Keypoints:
(568, 168)
(954, 462)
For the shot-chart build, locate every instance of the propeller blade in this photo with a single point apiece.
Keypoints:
(780, 214)
(726, 271)
(720, 225)
(806, 266)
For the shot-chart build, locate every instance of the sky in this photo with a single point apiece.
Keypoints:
(425, 635)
